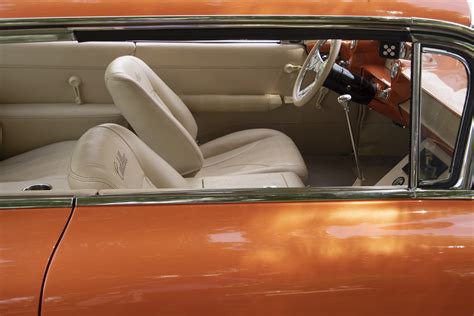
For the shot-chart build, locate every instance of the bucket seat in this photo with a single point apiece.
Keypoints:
(166, 125)
(109, 156)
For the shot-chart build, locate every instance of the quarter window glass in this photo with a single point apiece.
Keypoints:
(444, 84)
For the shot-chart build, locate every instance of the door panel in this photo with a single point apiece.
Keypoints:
(223, 68)
(37, 100)
(334, 258)
(27, 240)
(39, 72)
(28, 126)
(228, 86)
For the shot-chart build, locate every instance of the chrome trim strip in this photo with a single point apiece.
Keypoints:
(462, 182)
(438, 32)
(209, 19)
(471, 173)
(415, 111)
(178, 20)
(271, 195)
(465, 179)
(35, 202)
(36, 35)
(32, 26)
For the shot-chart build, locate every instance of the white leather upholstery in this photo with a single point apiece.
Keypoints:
(45, 165)
(155, 112)
(252, 151)
(29, 126)
(164, 122)
(111, 157)
(263, 180)
(48, 161)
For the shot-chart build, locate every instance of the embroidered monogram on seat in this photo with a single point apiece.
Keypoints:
(120, 163)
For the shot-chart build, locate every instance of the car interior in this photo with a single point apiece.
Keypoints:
(148, 116)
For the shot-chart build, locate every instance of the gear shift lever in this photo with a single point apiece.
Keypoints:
(345, 100)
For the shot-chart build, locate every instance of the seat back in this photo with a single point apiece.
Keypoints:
(110, 156)
(155, 112)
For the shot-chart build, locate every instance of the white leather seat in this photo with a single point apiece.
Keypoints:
(48, 164)
(164, 123)
(251, 151)
(48, 161)
(110, 156)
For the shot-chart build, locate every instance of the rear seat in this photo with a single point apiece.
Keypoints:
(46, 165)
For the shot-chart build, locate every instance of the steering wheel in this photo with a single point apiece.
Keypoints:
(321, 67)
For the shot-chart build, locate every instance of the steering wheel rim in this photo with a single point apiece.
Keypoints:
(321, 67)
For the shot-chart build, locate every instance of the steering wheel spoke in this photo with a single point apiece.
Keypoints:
(307, 88)
(314, 62)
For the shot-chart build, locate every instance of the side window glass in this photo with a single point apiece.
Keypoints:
(444, 83)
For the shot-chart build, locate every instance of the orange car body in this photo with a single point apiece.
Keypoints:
(380, 256)
(454, 11)
(334, 258)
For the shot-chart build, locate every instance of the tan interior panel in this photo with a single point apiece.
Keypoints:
(39, 72)
(228, 87)
(29, 126)
(223, 68)
(232, 103)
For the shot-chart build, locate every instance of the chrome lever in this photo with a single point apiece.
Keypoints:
(345, 101)
(75, 83)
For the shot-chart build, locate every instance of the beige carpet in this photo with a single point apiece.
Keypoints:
(327, 171)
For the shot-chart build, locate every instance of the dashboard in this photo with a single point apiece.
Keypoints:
(387, 68)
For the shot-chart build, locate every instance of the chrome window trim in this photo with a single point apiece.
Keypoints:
(415, 111)
(465, 181)
(28, 28)
(425, 31)
(31, 202)
(34, 35)
(274, 195)
(467, 48)
(462, 181)
(267, 195)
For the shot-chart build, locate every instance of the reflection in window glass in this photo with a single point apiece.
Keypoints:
(444, 83)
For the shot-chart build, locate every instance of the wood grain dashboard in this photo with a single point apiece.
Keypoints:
(444, 84)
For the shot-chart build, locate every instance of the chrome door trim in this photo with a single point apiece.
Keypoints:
(423, 30)
(415, 111)
(274, 195)
(281, 195)
(34, 29)
(7, 203)
(463, 180)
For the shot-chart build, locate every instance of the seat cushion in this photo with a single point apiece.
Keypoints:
(47, 161)
(48, 164)
(252, 151)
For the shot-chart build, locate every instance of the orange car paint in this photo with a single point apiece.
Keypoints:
(456, 11)
(411, 257)
(27, 240)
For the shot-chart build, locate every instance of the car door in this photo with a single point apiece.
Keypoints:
(218, 255)
(29, 232)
